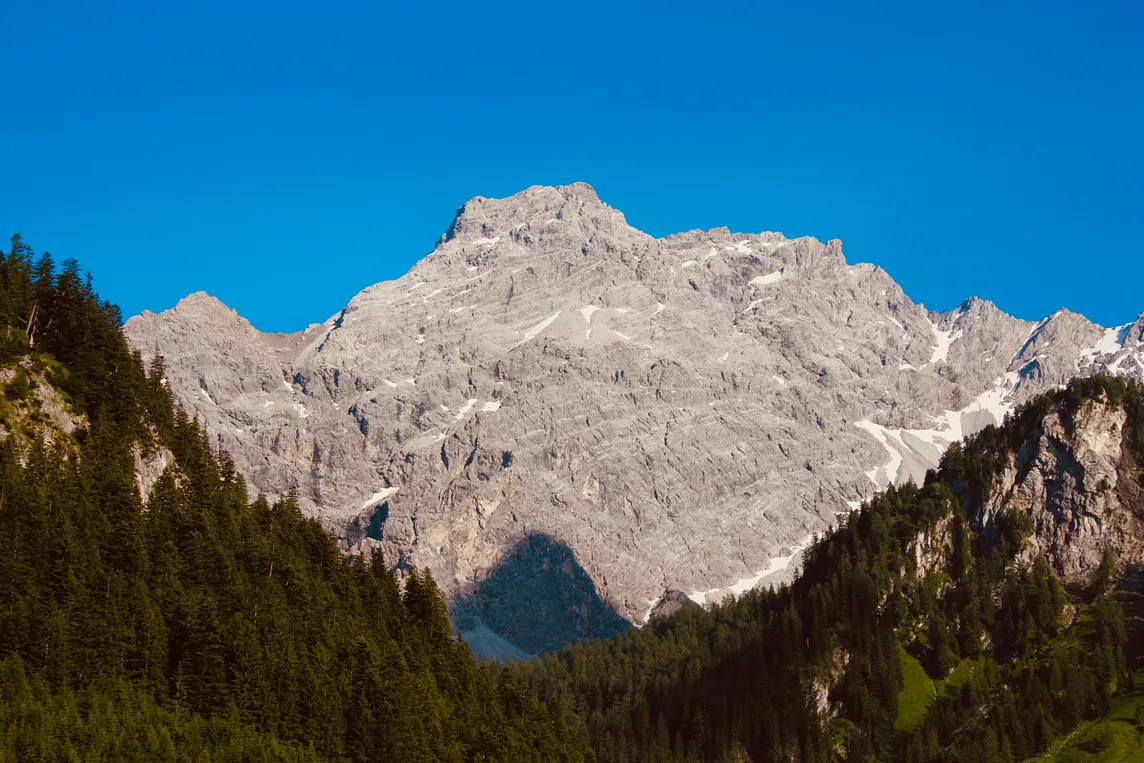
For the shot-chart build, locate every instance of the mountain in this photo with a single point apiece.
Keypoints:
(983, 616)
(149, 610)
(565, 418)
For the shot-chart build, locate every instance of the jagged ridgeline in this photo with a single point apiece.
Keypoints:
(980, 617)
(190, 623)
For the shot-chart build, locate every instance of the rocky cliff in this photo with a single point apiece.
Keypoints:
(553, 393)
(1078, 479)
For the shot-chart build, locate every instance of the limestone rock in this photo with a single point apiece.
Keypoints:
(675, 412)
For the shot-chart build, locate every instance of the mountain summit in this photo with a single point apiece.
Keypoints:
(552, 395)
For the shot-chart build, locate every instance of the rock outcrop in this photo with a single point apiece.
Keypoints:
(676, 412)
(1080, 484)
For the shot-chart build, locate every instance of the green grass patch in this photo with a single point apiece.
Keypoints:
(917, 694)
(1116, 738)
(951, 685)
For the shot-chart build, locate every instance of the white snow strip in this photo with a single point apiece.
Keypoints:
(389, 384)
(532, 332)
(647, 615)
(207, 396)
(754, 303)
(774, 277)
(464, 409)
(411, 381)
(433, 293)
(378, 497)
(659, 308)
(492, 405)
(724, 356)
(1110, 343)
(743, 247)
(854, 505)
(444, 407)
(587, 311)
(301, 410)
(943, 339)
(951, 427)
(486, 241)
(289, 387)
(779, 379)
(688, 264)
(880, 434)
(416, 286)
(420, 339)
(712, 253)
(740, 587)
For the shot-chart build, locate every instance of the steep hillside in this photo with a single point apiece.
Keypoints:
(553, 392)
(980, 617)
(149, 609)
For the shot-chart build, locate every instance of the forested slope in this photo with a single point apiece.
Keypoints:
(193, 623)
(915, 632)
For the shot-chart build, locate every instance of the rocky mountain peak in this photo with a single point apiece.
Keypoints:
(526, 215)
(552, 388)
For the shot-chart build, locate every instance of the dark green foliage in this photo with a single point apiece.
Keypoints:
(198, 624)
(120, 723)
(754, 676)
(18, 389)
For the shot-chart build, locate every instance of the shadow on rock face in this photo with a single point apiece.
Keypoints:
(538, 598)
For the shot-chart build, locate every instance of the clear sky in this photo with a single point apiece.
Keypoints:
(282, 156)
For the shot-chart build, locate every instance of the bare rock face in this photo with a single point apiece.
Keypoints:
(674, 412)
(1080, 485)
(670, 603)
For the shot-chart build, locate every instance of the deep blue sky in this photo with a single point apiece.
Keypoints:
(283, 157)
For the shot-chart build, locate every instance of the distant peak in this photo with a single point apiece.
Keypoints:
(578, 189)
(200, 300)
(482, 218)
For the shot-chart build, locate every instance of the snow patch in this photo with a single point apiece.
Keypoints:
(659, 308)
(532, 332)
(769, 278)
(740, 587)
(378, 497)
(489, 407)
(881, 434)
(922, 448)
(207, 396)
(943, 339)
(1110, 343)
(779, 379)
(464, 409)
(688, 264)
